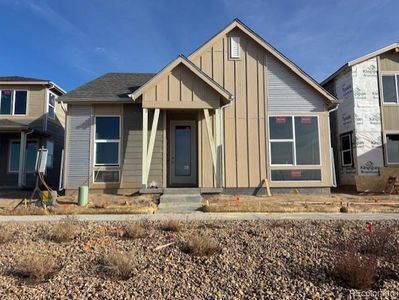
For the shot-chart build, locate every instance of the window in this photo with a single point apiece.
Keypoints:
(235, 47)
(392, 148)
(390, 87)
(50, 153)
(13, 102)
(296, 175)
(346, 150)
(107, 141)
(294, 140)
(51, 106)
(30, 160)
(106, 176)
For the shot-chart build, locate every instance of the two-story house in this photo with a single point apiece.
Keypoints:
(30, 118)
(234, 112)
(365, 128)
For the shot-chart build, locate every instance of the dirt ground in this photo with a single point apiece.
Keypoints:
(98, 204)
(334, 202)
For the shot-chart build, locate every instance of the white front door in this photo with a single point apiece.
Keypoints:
(183, 153)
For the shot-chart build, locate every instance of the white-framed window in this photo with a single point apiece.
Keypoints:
(346, 150)
(51, 106)
(392, 148)
(50, 153)
(107, 141)
(13, 102)
(30, 159)
(235, 50)
(390, 88)
(294, 140)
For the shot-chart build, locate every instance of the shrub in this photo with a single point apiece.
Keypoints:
(133, 231)
(120, 265)
(35, 267)
(381, 243)
(5, 235)
(343, 209)
(171, 225)
(64, 231)
(201, 246)
(356, 271)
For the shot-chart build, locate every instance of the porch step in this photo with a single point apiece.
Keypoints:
(180, 203)
(181, 191)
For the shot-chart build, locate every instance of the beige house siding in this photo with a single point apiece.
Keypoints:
(181, 88)
(244, 120)
(389, 61)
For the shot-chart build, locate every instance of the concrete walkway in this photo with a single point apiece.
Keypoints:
(212, 217)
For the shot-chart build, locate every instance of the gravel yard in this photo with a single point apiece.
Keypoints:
(262, 259)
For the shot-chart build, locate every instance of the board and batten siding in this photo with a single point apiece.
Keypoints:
(78, 146)
(132, 148)
(287, 92)
(244, 119)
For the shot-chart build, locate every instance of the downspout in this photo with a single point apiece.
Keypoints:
(333, 171)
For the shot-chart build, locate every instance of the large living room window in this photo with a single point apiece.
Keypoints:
(392, 143)
(390, 88)
(294, 142)
(13, 102)
(107, 140)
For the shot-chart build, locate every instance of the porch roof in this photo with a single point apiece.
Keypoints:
(11, 126)
(181, 84)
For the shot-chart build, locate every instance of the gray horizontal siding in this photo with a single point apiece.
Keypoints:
(78, 152)
(132, 148)
(287, 92)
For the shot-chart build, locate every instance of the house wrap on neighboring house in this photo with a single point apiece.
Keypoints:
(234, 112)
(365, 130)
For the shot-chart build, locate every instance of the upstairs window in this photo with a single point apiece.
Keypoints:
(390, 88)
(51, 106)
(107, 141)
(235, 47)
(346, 150)
(13, 102)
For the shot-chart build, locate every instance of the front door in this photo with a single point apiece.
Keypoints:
(183, 153)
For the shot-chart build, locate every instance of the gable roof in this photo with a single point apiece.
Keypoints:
(31, 81)
(181, 59)
(361, 59)
(292, 66)
(109, 87)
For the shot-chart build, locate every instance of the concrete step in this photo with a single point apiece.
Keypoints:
(179, 191)
(182, 198)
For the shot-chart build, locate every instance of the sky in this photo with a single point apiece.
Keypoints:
(73, 41)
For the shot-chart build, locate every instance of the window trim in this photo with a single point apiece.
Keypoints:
(386, 147)
(396, 77)
(349, 134)
(293, 140)
(9, 154)
(13, 102)
(95, 164)
(53, 106)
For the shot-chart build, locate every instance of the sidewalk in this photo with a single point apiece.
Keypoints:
(210, 217)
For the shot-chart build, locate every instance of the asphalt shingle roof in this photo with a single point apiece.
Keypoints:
(19, 78)
(108, 87)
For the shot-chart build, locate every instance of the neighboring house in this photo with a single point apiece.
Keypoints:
(30, 118)
(233, 113)
(365, 131)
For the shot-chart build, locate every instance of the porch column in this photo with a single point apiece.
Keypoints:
(145, 140)
(215, 144)
(22, 156)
